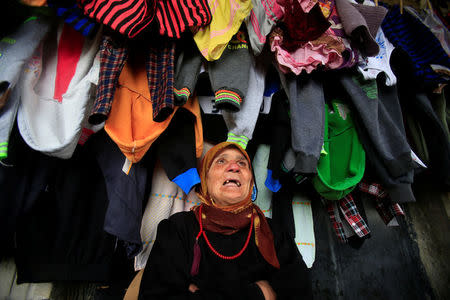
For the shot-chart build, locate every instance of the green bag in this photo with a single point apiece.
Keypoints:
(342, 161)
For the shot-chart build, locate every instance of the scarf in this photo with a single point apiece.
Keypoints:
(230, 219)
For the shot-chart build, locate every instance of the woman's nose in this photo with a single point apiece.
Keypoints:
(233, 167)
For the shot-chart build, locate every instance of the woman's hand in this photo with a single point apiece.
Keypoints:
(193, 288)
(268, 292)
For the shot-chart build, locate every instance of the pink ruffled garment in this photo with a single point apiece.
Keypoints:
(308, 57)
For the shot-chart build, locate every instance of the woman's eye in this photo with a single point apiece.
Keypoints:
(220, 161)
(242, 163)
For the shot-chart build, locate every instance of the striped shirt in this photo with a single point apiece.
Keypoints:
(408, 33)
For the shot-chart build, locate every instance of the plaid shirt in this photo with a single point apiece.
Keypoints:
(112, 59)
(351, 214)
(160, 74)
(336, 223)
(385, 209)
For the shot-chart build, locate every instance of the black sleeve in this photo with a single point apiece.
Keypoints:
(167, 273)
(292, 280)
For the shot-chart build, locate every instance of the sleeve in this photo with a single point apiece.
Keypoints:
(292, 280)
(166, 274)
(176, 150)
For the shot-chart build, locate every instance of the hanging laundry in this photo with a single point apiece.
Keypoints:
(330, 50)
(370, 67)
(300, 27)
(177, 16)
(361, 23)
(380, 128)
(130, 123)
(128, 17)
(73, 15)
(387, 210)
(229, 75)
(54, 97)
(113, 54)
(263, 17)
(416, 103)
(166, 198)
(160, 68)
(274, 130)
(60, 237)
(125, 187)
(227, 18)
(350, 54)
(352, 216)
(176, 149)
(341, 168)
(432, 21)
(308, 58)
(307, 107)
(408, 33)
(259, 163)
(304, 228)
(15, 50)
(283, 206)
(241, 124)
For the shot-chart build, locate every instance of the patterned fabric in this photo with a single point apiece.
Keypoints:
(112, 59)
(242, 140)
(74, 16)
(160, 74)
(336, 222)
(374, 189)
(129, 17)
(384, 207)
(352, 216)
(166, 198)
(176, 16)
(407, 32)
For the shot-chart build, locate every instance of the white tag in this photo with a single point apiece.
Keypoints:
(127, 166)
(265, 105)
(417, 160)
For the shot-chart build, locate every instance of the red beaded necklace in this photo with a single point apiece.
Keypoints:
(212, 248)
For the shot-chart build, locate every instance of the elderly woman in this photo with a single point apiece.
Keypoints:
(224, 248)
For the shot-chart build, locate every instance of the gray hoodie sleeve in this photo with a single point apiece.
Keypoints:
(307, 108)
(241, 124)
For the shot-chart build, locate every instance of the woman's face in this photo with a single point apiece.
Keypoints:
(229, 177)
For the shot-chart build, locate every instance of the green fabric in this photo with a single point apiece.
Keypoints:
(341, 167)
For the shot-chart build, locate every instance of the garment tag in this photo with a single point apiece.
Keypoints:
(265, 105)
(417, 160)
(127, 166)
